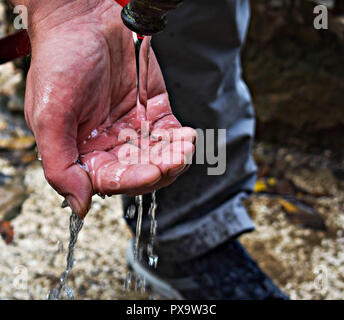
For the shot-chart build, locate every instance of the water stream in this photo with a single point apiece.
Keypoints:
(152, 257)
(137, 249)
(142, 54)
(75, 225)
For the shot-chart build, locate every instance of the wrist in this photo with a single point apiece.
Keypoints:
(44, 15)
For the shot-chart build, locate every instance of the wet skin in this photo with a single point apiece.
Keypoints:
(81, 92)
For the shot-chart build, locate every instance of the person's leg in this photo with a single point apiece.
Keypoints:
(199, 53)
(199, 216)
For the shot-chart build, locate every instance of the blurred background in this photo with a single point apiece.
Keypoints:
(296, 76)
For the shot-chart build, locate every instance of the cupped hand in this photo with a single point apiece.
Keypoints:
(92, 135)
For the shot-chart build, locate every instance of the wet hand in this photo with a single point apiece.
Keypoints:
(81, 106)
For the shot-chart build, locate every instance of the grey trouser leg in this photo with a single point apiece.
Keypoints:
(199, 53)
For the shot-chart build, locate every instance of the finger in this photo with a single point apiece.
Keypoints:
(164, 182)
(171, 158)
(160, 132)
(110, 176)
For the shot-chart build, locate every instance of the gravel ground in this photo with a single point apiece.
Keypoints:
(306, 263)
(36, 260)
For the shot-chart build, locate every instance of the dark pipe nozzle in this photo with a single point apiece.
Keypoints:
(147, 17)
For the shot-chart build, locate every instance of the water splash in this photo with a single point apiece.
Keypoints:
(138, 281)
(75, 225)
(130, 214)
(127, 282)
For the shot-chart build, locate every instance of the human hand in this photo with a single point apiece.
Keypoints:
(80, 96)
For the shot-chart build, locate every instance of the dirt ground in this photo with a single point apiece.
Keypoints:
(306, 262)
(36, 256)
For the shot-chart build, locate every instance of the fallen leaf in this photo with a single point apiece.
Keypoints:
(302, 215)
(260, 186)
(265, 185)
(6, 231)
(288, 206)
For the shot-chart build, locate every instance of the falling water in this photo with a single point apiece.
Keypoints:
(75, 225)
(142, 86)
(141, 97)
(139, 203)
(139, 281)
(142, 47)
(152, 258)
(131, 212)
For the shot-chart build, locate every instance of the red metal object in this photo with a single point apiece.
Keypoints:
(18, 45)
(123, 3)
(15, 46)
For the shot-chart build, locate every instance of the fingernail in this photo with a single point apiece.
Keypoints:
(64, 204)
(175, 172)
(153, 183)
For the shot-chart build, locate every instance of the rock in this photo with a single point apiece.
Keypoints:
(10, 78)
(20, 143)
(296, 74)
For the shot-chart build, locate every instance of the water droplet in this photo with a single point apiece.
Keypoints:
(127, 282)
(69, 292)
(94, 133)
(53, 294)
(131, 212)
(153, 261)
